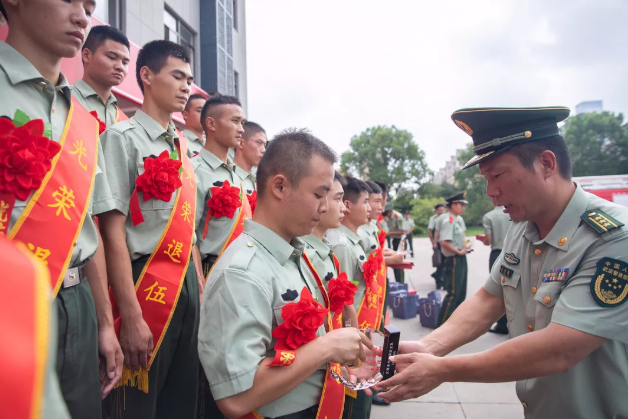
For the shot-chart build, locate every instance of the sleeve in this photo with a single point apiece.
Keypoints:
(347, 259)
(577, 306)
(384, 226)
(493, 284)
(102, 200)
(488, 225)
(117, 169)
(446, 232)
(430, 224)
(235, 332)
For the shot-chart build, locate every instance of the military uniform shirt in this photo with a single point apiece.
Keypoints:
(409, 225)
(431, 224)
(210, 170)
(86, 96)
(321, 256)
(395, 223)
(368, 236)
(251, 282)
(195, 144)
(126, 145)
(347, 247)
(25, 89)
(597, 386)
(496, 223)
(248, 179)
(452, 229)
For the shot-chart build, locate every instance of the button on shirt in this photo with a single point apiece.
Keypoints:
(25, 89)
(209, 169)
(86, 96)
(248, 179)
(242, 305)
(452, 229)
(496, 223)
(126, 145)
(597, 386)
(195, 144)
(368, 236)
(347, 247)
(321, 256)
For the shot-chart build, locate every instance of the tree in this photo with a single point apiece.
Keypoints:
(422, 210)
(432, 190)
(471, 181)
(388, 155)
(403, 201)
(598, 143)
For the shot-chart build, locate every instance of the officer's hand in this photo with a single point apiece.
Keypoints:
(346, 345)
(136, 341)
(389, 252)
(410, 347)
(396, 259)
(423, 374)
(111, 359)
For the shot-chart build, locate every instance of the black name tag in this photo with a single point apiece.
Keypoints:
(504, 271)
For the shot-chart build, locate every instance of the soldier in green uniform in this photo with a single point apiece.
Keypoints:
(163, 74)
(261, 272)
(409, 228)
(193, 124)
(249, 153)
(396, 232)
(40, 35)
(451, 238)
(561, 279)
(105, 65)
(368, 232)
(496, 224)
(431, 232)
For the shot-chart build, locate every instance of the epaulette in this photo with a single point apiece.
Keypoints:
(244, 256)
(196, 160)
(122, 126)
(600, 221)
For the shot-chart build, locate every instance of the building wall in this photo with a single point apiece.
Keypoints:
(189, 12)
(239, 52)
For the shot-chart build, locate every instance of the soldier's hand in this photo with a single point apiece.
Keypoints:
(423, 374)
(111, 359)
(346, 345)
(396, 259)
(136, 341)
(409, 347)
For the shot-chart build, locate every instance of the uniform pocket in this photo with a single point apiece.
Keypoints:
(510, 288)
(546, 296)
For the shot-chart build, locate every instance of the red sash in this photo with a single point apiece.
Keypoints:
(160, 282)
(370, 311)
(53, 218)
(25, 314)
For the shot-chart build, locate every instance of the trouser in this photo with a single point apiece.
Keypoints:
(207, 407)
(438, 274)
(399, 275)
(502, 323)
(409, 240)
(455, 276)
(359, 408)
(77, 351)
(303, 414)
(173, 375)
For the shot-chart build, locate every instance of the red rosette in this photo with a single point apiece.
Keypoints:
(381, 238)
(341, 293)
(101, 125)
(224, 202)
(25, 157)
(372, 266)
(252, 201)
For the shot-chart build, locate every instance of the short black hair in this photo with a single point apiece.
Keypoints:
(251, 128)
(354, 188)
(437, 206)
(528, 152)
(375, 188)
(101, 33)
(194, 97)
(219, 100)
(289, 153)
(155, 54)
(383, 187)
(3, 12)
(213, 93)
(340, 178)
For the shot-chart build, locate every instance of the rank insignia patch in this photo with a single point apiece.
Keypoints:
(557, 274)
(609, 284)
(600, 221)
(511, 259)
(504, 271)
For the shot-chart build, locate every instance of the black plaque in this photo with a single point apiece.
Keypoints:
(390, 348)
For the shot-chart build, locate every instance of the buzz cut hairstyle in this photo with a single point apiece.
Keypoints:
(289, 154)
(155, 54)
(375, 189)
(193, 97)
(251, 128)
(384, 189)
(437, 206)
(215, 101)
(354, 188)
(98, 35)
(340, 178)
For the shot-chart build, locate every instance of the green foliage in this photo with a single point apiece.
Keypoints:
(598, 143)
(388, 155)
(473, 182)
(422, 210)
(403, 201)
(431, 190)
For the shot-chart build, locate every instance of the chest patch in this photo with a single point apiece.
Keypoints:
(609, 284)
(511, 259)
(504, 271)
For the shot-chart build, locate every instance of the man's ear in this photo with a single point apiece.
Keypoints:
(347, 204)
(86, 56)
(549, 165)
(279, 186)
(146, 76)
(209, 124)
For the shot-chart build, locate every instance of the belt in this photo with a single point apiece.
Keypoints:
(309, 413)
(210, 259)
(73, 276)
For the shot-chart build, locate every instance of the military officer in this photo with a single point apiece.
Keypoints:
(249, 153)
(258, 275)
(561, 279)
(395, 232)
(496, 223)
(431, 232)
(106, 59)
(193, 125)
(40, 35)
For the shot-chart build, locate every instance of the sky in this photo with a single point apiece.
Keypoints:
(339, 67)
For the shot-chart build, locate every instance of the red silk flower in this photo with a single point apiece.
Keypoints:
(341, 292)
(371, 266)
(301, 320)
(25, 157)
(381, 238)
(101, 125)
(225, 200)
(160, 178)
(252, 201)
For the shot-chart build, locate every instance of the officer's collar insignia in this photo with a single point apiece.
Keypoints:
(504, 271)
(511, 259)
(556, 274)
(290, 295)
(600, 221)
(609, 284)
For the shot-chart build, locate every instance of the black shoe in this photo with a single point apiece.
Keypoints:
(498, 330)
(379, 401)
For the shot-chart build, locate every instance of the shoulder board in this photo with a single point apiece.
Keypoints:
(123, 125)
(242, 259)
(600, 221)
(196, 161)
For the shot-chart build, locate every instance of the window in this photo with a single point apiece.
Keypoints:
(235, 14)
(177, 31)
(110, 12)
(236, 84)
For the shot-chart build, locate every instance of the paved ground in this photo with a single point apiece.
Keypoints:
(452, 400)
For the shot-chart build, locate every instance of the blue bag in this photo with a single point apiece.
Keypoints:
(405, 306)
(429, 310)
(436, 296)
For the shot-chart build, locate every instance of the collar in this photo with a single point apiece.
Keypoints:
(243, 174)
(190, 134)
(353, 238)
(213, 161)
(567, 224)
(87, 91)
(153, 129)
(274, 244)
(322, 247)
